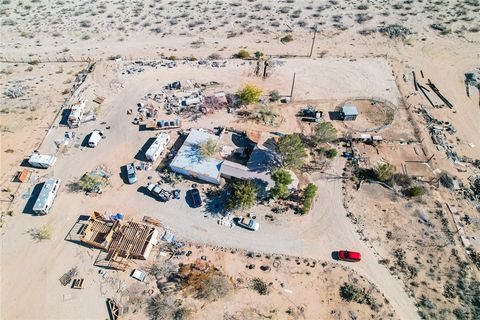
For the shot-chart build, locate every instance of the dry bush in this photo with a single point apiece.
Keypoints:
(204, 281)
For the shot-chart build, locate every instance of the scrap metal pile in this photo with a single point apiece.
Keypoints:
(437, 130)
(181, 98)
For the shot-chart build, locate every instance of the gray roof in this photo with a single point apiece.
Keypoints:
(189, 159)
(46, 195)
(349, 110)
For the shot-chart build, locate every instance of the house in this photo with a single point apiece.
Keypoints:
(157, 147)
(47, 195)
(188, 160)
(349, 112)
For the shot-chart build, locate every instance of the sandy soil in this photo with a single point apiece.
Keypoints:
(351, 58)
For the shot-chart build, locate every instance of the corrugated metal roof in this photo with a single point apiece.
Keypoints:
(46, 195)
(349, 110)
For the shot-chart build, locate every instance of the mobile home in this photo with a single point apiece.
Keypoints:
(41, 160)
(76, 114)
(157, 147)
(47, 195)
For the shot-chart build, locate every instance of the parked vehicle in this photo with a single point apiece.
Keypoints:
(131, 175)
(159, 193)
(196, 198)
(47, 195)
(351, 256)
(95, 138)
(247, 223)
(43, 161)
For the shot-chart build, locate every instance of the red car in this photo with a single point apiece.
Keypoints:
(351, 256)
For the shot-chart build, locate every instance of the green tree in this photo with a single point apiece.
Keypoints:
(243, 195)
(282, 179)
(292, 150)
(384, 171)
(208, 148)
(249, 94)
(324, 132)
(308, 196)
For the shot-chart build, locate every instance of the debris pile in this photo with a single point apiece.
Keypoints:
(437, 129)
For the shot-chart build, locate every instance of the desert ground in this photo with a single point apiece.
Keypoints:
(415, 261)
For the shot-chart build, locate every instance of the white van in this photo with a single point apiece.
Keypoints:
(95, 138)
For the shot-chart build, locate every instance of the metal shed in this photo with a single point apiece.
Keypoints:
(349, 112)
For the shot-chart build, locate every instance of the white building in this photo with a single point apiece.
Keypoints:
(188, 161)
(47, 195)
(157, 147)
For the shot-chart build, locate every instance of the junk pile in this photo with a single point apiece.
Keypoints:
(437, 129)
(16, 90)
(94, 181)
(310, 114)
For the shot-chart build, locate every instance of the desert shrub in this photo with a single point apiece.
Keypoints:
(242, 54)
(308, 196)
(402, 180)
(165, 307)
(44, 232)
(204, 281)
(114, 57)
(258, 54)
(260, 286)
(287, 38)
(384, 171)
(274, 95)
(214, 56)
(331, 153)
(353, 293)
(414, 191)
(249, 94)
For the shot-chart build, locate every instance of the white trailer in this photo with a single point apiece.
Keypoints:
(47, 195)
(157, 147)
(76, 114)
(43, 161)
(95, 138)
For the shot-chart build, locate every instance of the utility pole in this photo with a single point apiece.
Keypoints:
(293, 85)
(313, 41)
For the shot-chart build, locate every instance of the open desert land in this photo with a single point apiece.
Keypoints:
(256, 95)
